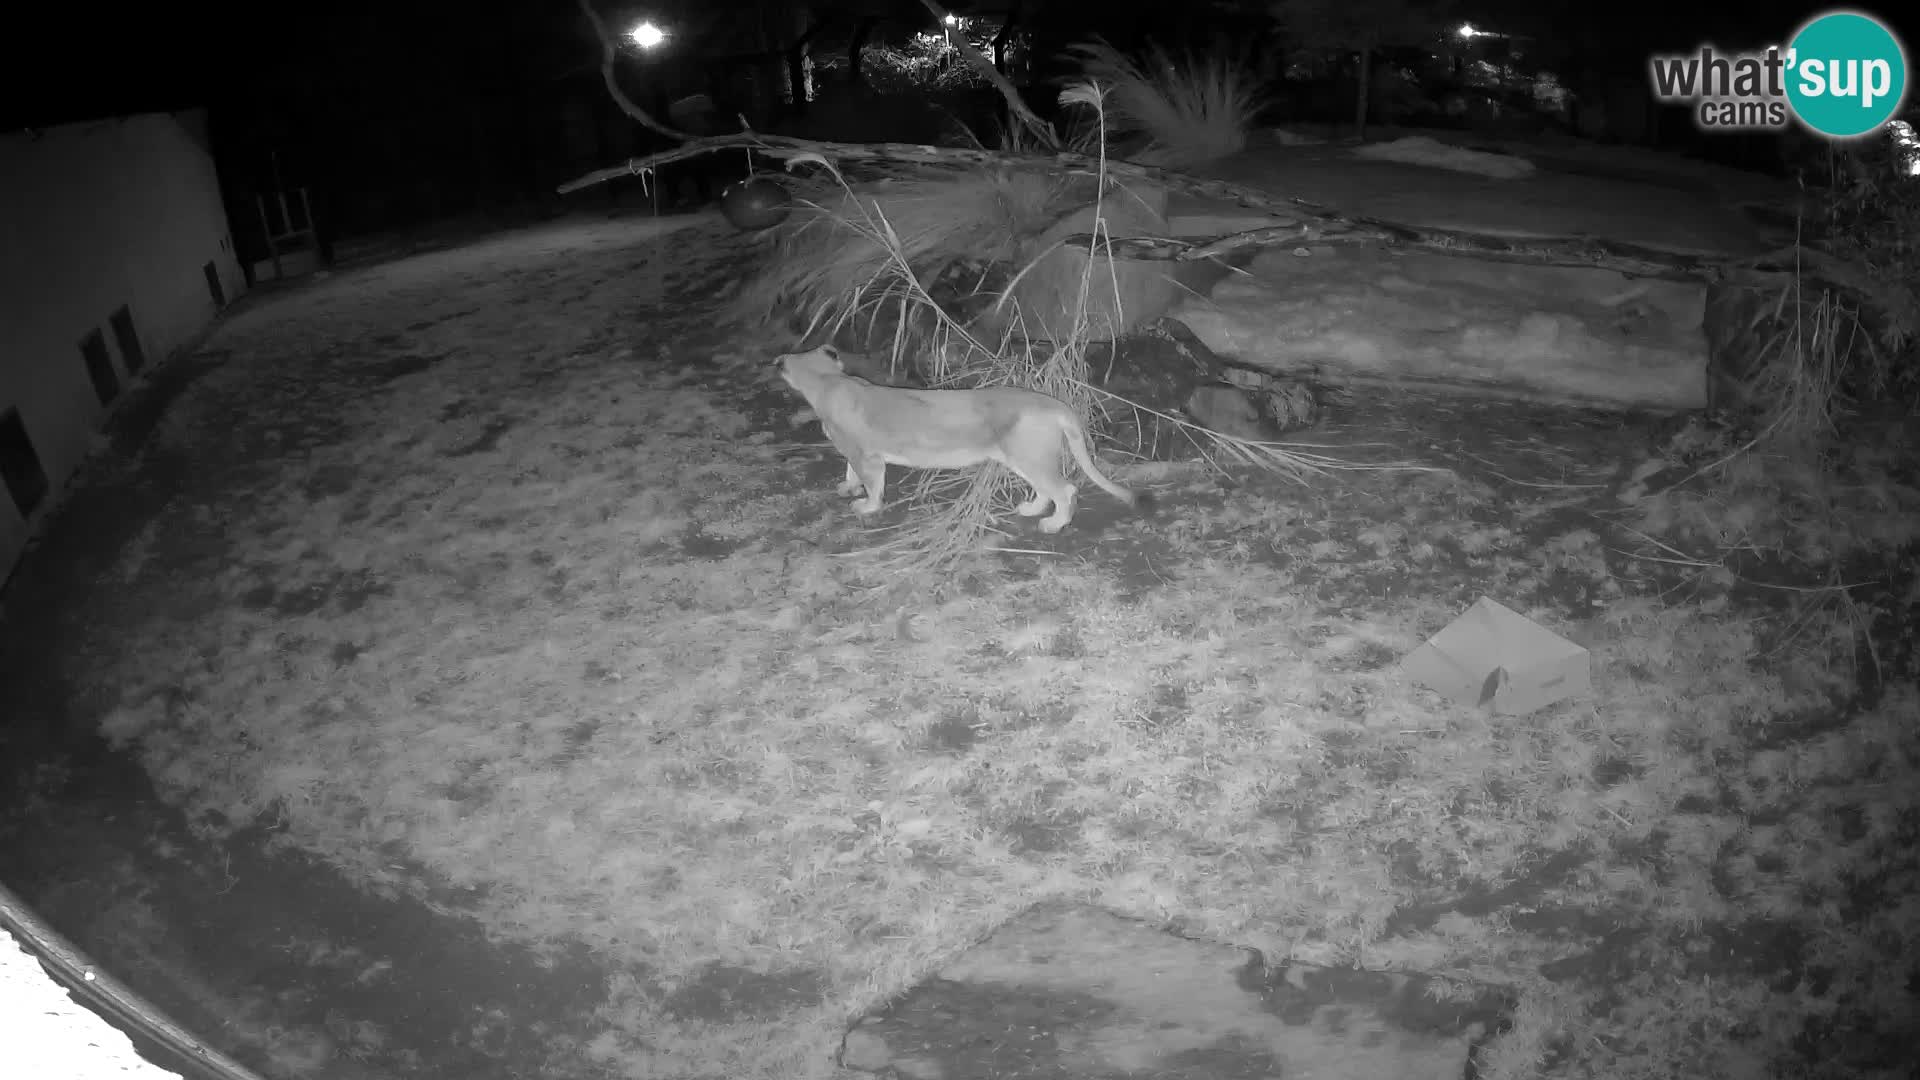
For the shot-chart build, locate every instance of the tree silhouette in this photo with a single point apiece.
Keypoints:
(1361, 27)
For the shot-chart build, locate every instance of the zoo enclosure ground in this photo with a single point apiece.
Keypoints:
(554, 397)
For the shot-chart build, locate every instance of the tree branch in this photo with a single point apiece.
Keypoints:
(1300, 221)
(609, 52)
(1017, 104)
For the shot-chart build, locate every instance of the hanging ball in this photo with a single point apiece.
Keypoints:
(756, 203)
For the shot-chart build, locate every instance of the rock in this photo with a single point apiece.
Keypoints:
(1049, 293)
(1259, 408)
(1560, 334)
(1229, 411)
(756, 203)
(1073, 992)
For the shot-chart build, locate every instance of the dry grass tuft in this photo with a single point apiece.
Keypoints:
(1813, 353)
(965, 232)
(1811, 481)
(1867, 224)
(1753, 505)
(844, 259)
(1819, 473)
(1802, 375)
(1189, 112)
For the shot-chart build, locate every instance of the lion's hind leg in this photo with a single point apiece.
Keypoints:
(1035, 506)
(1040, 467)
(1062, 509)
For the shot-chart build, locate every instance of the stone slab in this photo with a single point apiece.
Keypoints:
(1076, 993)
(1569, 335)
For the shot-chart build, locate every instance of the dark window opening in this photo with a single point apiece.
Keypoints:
(213, 284)
(20, 467)
(125, 336)
(106, 382)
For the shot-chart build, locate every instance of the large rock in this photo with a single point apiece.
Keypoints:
(1570, 335)
(1074, 993)
(1122, 294)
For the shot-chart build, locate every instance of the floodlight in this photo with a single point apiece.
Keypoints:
(647, 36)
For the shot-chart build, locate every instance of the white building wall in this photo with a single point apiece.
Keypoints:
(94, 216)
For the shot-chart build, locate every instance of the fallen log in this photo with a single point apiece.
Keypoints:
(1772, 268)
(956, 157)
(1300, 221)
(1582, 251)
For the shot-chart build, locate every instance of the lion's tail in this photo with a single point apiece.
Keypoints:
(1077, 443)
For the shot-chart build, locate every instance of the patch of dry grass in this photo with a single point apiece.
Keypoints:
(1811, 357)
(1189, 110)
(836, 264)
(1868, 215)
(1820, 472)
(1755, 507)
(1812, 470)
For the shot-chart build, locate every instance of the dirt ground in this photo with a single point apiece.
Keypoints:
(451, 669)
(269, 953)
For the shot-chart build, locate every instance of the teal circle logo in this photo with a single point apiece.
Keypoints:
(1848, 74)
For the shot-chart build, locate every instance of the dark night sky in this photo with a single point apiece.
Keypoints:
(156, 56)
(89, 61)
(109, 59)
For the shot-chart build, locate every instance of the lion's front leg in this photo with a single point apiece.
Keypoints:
(872, 473)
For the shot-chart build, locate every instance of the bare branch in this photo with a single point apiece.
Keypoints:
(609, 52)
(979, 62)
(1297, 220)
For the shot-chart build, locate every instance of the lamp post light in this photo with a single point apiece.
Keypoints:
(647, 36)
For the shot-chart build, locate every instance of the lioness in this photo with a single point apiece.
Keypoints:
(876, 426)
